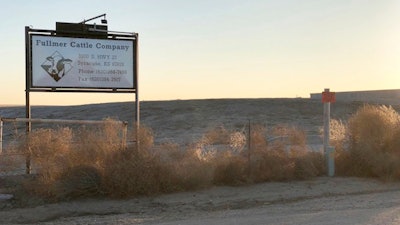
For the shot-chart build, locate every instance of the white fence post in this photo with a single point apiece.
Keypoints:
(328, 150)
(327, 112)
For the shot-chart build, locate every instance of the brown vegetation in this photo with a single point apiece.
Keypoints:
(96, 162)
(369, 145)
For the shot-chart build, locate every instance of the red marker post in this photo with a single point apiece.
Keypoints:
(329, 151)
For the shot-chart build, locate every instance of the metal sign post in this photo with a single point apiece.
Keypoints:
(81, 57)
(28, 84)
(137, 102)
(329, 151)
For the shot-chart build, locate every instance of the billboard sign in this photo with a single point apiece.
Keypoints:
(72, 62)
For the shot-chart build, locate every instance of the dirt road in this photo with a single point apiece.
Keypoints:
(319, 201)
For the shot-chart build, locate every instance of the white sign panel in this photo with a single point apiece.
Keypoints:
(82, 63)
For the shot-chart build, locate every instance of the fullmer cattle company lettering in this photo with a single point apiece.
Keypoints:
(75, 44)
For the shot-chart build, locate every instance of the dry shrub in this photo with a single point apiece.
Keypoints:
(203, 149)
(290, 135)
(308, 165)
(271, 165)
(48, 149)
(93, 144)
(157, 169)
(192, 171)
(393, 145)
(70, 164)
(169, 151)
(285, 157)
(373, 149)
(77, 182)
(344, 163)
(130, 174)
(372, 127)
(93, 162)
(218, 135)
(131, 171)
(338, 135)
(280, 165)
(237, 141)
(145, 137)
(265, 161)
(258, 141)
(297, 137)
(230, 169)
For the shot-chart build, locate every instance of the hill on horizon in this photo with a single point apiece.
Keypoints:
(185, 121)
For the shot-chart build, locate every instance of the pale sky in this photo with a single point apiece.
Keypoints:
(223, 48)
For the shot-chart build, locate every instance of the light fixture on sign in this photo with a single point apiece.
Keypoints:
(103, 21)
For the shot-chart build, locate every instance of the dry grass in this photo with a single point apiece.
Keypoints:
(93, 161)
(372, 134)
(285, 158)
(60, 156)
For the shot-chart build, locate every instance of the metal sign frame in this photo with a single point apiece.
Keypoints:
(91, 32)
(36, 33)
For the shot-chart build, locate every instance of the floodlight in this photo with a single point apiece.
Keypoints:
(104, 21)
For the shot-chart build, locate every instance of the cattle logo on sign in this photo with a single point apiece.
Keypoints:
(57, 66)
